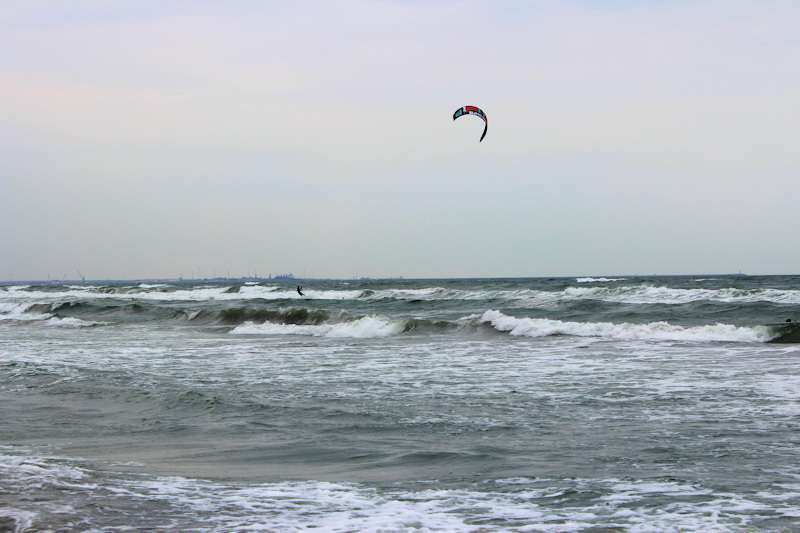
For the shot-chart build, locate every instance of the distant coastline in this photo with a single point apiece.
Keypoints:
(292, 278)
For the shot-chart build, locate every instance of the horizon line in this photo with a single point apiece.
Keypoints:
(364, 278)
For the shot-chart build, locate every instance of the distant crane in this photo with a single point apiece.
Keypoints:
(83, 278)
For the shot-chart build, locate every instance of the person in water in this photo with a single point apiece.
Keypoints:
(299, 291)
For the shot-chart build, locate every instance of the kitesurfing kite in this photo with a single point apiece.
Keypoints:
(472, 110)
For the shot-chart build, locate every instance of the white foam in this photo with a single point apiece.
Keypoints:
(318, 506)
(343, 507)
(428, 293)
(505, 505)
(71, 322)
(36, 471)
(200, 294)
(365, 327)
(12, 288)
(597, 280)
(647, 294)
(23, 520)
(256, 291)
(245, 292)
(85, 293)
(541, 327)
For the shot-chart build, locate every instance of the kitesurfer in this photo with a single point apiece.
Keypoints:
(299, 291)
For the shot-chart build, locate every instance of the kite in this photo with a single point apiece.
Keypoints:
(472, 110)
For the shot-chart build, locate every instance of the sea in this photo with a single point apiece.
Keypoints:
(580, 404)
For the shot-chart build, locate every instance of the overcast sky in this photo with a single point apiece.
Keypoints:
(152, 139)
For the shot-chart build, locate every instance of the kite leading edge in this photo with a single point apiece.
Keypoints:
(472, 110)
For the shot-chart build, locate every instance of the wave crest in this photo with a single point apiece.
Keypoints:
(364, 327)
(542, 327)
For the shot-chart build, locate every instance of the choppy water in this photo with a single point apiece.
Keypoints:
(589, 404)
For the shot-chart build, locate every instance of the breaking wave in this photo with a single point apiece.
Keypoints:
(593, 307)
(301, 322)
(364, 327)
(31, 313)
(630, 293)
(661, 331)
(647, 294)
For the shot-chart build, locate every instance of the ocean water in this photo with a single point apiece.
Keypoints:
(527, 405)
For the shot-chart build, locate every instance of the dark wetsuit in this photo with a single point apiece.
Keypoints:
(299, 291)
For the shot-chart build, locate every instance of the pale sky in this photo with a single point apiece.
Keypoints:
(151, 139)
